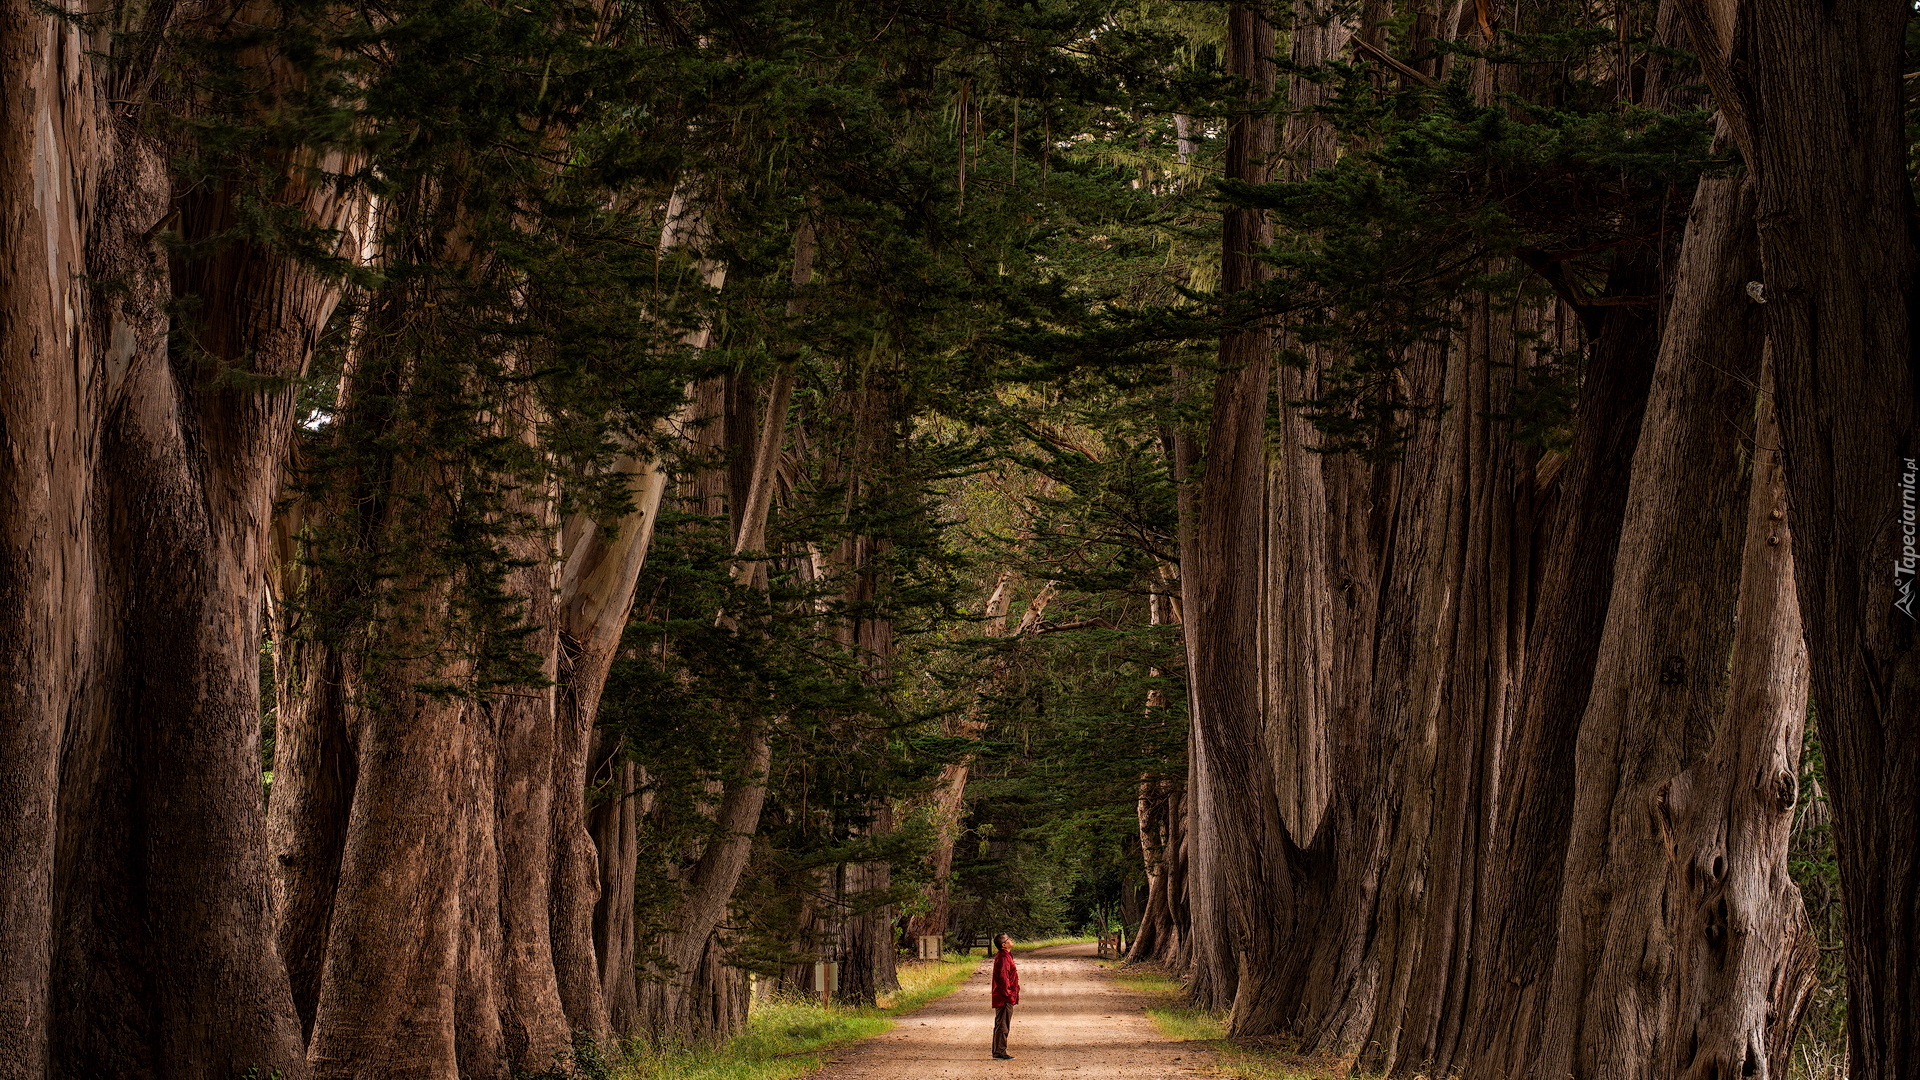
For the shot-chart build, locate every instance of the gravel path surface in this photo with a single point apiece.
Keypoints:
(1072, 1020)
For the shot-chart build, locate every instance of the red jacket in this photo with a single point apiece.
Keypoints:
(1006, 981)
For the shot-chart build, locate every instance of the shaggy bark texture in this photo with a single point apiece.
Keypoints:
(1234, 772)
(1743, 949)
(1659, 678)
(422, 839)
(1815, 95)
(134, 521)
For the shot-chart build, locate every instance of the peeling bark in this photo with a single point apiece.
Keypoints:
(1817, 90)
(134, 516)
(1235, 777)
(1659, 682)
(1744, 951)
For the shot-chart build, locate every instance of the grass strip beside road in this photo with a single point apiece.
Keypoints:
(787, 1038)
(1177, 1019)
(1049, 942)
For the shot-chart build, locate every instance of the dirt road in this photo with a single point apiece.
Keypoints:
(1071, 1021)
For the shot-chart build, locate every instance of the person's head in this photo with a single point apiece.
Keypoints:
(1004, 942)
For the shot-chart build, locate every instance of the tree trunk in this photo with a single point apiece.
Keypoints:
(1199, 948)
(1235, 775)
(1584, 504)
(437, 884)
(134, 514)
(1154, 932)
(867, 955)
(1155, 928)
(696, 994)
(598, 583)
(868, 414)
(614, 820)
(867, 950)
(1450, 646)
(599, 853)
(1744, 951)
(1659, 679)
(415, 837)
(1817, 89)
(693, 995)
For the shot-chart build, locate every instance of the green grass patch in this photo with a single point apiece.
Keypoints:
(1188, 1024)
(1147, 980)
(1253, 1063)
(1242, 1059)
(1174, 1018)
(922, 981)
(1041, 943)
(787, 1038)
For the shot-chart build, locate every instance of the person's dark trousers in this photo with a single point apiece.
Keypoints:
(1002, 1020)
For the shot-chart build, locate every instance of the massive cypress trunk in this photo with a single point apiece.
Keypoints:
(1456, 597)
(1420, 572)
(1659, 677)
(409, 938)
(1310, 510)
(1743, 949)
(415, 806)
(1422, 891)
(1351, 907)
(597, 582)
(1584, 504)
(134, 511)
(1816, 93)
(506, 910)
(1584, 500)
(414, 820)
(1233, 768)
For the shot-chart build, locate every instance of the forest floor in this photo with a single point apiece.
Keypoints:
(1074, 1020)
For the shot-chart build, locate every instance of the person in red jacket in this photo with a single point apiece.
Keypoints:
(1006, 994)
